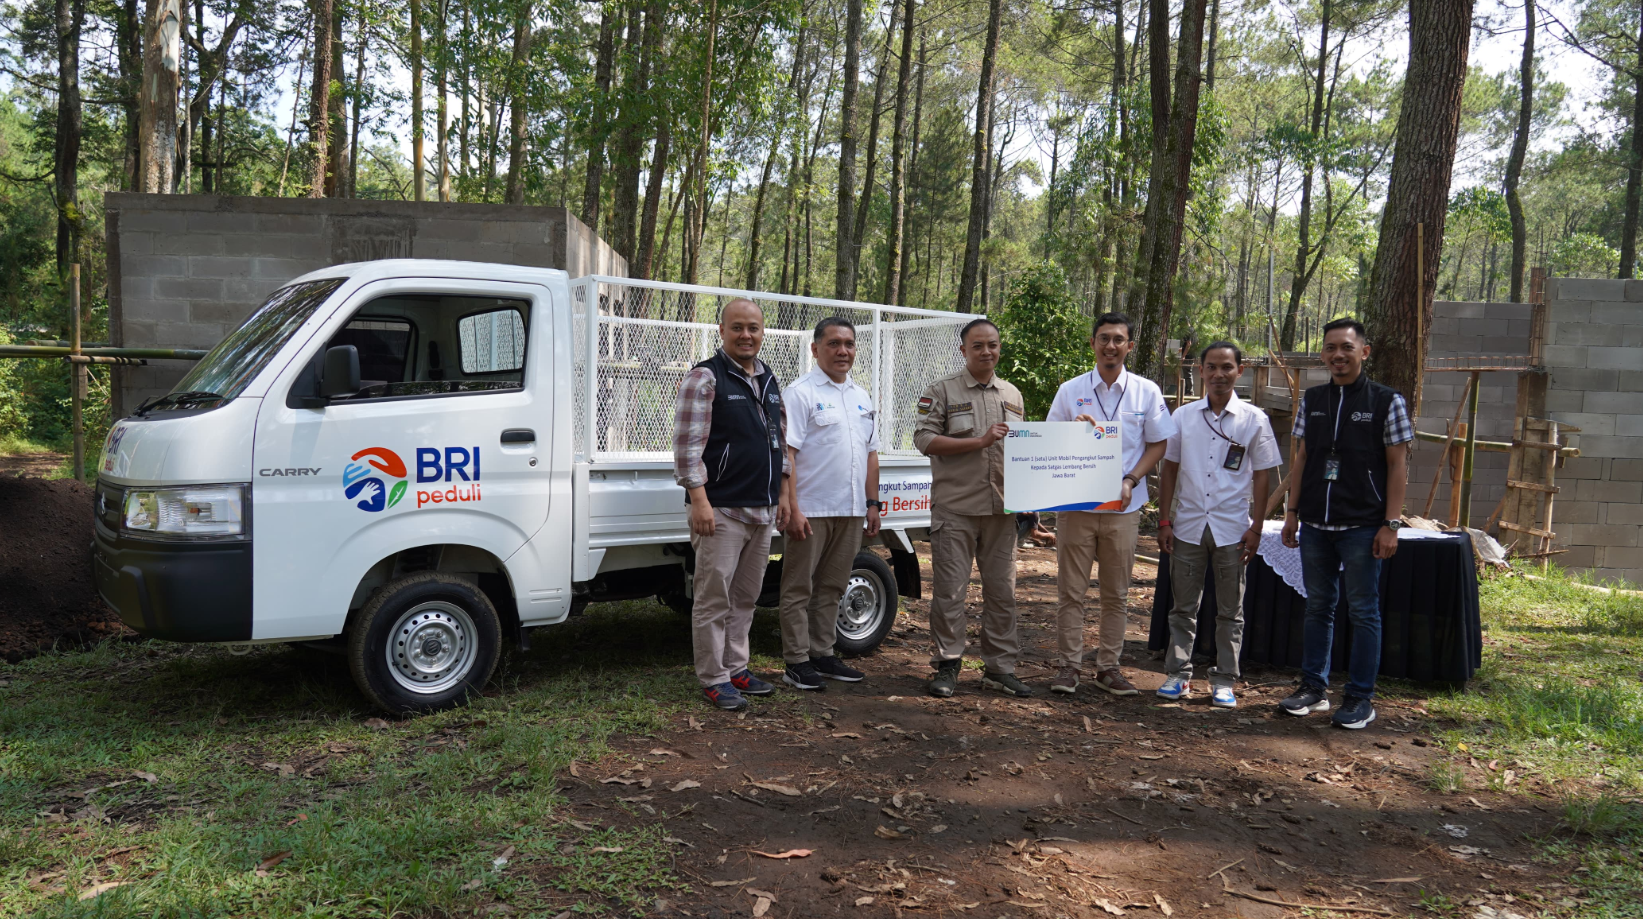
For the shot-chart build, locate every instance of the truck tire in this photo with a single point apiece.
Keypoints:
(868, 608)
(678, 602)
(423, 643)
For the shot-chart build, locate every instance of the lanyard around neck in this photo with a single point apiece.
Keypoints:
(1096, 395)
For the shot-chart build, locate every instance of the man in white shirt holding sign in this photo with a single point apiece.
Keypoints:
(1218, 459)
(832, 443)
(1107, 535)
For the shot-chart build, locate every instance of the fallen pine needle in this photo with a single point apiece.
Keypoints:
(1223, 868)
(1338, 909)
(1125, 816)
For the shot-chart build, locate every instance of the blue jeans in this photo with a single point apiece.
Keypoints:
(1323, 553)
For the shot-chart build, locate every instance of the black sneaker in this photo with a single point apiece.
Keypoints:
(1006, 683)
(725, 696)
(834, 669)
(1354, 714)
(804, 676)
(750, 685)
(1308, 699)
(945, 682)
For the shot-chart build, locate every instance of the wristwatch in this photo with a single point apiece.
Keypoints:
(1165, 523)
(1394, 525)
(876, 505)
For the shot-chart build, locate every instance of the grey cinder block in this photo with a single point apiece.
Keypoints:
(1596, 289)
(1614, 403)
(1614, 358)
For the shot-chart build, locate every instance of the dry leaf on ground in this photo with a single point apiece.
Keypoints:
(864, 901)
(790, 853)
(732, 883)
(376, 724)
(96, 889)
(1163, 905)
(273, 860)
(609, 849)
(885, 832)
(1108, 907)
(787, 790)
(760, 907)
(687, 783)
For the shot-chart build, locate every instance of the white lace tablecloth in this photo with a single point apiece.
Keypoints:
(1287, 562)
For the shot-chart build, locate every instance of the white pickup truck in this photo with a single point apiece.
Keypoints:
(415, 459)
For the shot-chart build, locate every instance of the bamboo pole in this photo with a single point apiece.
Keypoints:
(1454, 426)
(1471, 453)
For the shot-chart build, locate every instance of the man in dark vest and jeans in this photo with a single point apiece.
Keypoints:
(730, 453)
(1352, 437)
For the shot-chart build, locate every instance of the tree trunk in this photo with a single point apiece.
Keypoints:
(1520, 150)
(517, 105)
(979, 169)
(844, 268)
(1124, 174)
(864, 206)
(1418, 192)
(594, 181)
(71, 16)
(359, 100)
(643, 32)
(912, 172)
(442, 70)
(319, 99)
(128, 46)
(337, 145)
(162, 79)
(695, 228)
(641, 266)
(898, 163)
(1212, 56)
(419, 179)
(1303, 246)
(1152, 222)
(1634, 169)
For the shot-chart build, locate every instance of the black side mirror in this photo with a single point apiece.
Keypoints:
(340, 377)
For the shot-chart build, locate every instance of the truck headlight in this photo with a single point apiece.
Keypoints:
(192, 511)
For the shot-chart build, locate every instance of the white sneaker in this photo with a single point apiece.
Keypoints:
(1223, 697)
(1176, 687)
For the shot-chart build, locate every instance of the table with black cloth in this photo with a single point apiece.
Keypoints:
(1430, 631)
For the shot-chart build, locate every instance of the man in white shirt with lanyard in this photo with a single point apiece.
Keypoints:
(1218, 458)
(1107, 535)
(832, 445)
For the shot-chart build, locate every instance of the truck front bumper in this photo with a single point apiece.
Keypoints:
(175, 591)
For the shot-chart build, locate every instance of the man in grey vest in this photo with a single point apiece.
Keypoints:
(729, 453)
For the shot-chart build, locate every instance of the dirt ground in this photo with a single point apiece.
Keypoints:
(32, 465)
(46, 593)
(1055, 806)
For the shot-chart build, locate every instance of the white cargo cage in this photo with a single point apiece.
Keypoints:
(647, 334)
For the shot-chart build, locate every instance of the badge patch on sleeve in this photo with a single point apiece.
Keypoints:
(924, 405)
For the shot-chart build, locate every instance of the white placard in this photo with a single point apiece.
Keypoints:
(1063, 466)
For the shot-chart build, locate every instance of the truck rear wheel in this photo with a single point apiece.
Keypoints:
(424, 643)
(868, 608)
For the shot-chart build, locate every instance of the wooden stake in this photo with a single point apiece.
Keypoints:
(1471, 453)
(1444, 456)
(77, 373)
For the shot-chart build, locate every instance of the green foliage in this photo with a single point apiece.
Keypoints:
(1045, 336)
(1584, 255)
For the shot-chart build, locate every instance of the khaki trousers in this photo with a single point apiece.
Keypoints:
(729, 573)
(1107, 540)
(814, 573)
(1187, 564)
(957, 540)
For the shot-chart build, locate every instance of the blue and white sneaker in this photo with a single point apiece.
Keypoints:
(1176, 687)
(1223, 697)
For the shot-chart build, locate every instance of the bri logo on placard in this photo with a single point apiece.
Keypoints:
(363, 482)
(1103, 431)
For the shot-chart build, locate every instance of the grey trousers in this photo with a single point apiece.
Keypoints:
(729, 572)
(814, 574)
(987, 541)
(1187, 564)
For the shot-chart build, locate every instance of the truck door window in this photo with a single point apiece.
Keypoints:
(402, 338)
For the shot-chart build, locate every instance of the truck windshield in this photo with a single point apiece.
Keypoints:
(224, 373)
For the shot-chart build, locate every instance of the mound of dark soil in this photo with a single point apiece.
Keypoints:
(46, 593)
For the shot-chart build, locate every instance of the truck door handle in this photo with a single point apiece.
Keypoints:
(519, 436)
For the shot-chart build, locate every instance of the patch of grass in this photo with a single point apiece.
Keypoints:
(269, 753)
(1445, 777)
(18, 445)
(1558, 707)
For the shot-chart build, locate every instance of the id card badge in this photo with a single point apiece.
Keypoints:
(1332, 468)
(1235, 457)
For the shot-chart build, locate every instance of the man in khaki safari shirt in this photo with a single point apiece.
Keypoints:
(962, 423)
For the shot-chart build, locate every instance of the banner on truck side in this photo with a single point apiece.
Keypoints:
(1062, 466)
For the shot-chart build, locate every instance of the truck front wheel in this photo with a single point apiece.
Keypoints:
(868, 608)
(423, 643)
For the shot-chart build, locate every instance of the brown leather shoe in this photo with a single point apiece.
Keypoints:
(1066, 680)
(1113, 681)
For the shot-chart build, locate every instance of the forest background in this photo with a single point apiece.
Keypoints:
(1224, 167)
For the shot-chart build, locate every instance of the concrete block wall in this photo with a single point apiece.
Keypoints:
(1468, 330)
(1594, 352)
(185, 270)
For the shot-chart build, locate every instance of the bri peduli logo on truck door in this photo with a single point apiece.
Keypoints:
(456, 466)
(366, 489)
